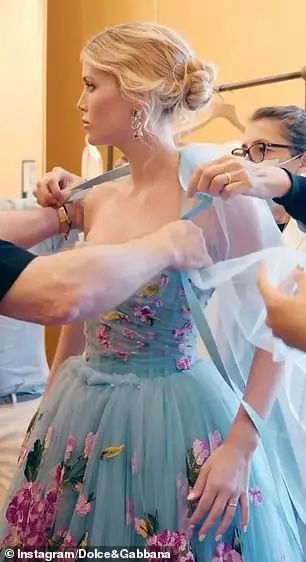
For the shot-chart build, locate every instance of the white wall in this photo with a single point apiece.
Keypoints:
(22, 67)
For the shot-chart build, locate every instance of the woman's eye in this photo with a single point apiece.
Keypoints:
(89, 87)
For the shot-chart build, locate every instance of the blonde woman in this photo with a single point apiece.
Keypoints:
(141, 443)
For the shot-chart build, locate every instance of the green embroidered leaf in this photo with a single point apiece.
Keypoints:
(83, 542)
(192, 468)
(56, 542)
(236, 542)
(152, 523)
(33, 461)
(111, 452)
(74, 474)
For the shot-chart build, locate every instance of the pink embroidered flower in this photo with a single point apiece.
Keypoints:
(178, 334)
(83, 506)
(183, 347)
(140, 344)
(164, 281)
(159, 303)
(141, 527)
(89, 444)
(215, 440)
(145, 314)
(175, 541)
(188, 326)
(70, 446)
(103, 335)
(201, 451)
(128, 334)
(255, 495)
(49, 437)
(130, 512)
(134, 462)
(68, 541)
(123, 355)
(183, 363)
(225, 553)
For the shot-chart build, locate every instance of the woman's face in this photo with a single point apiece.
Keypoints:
(267, 130)
(270, 131)
(105, 114)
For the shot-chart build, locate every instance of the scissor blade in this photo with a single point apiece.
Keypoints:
(79, 191)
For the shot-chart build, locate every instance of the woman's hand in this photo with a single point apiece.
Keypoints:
(230, 175)
(53, 191)
(222, 484)
(53, 188)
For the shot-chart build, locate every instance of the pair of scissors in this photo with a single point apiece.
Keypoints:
(80, 191)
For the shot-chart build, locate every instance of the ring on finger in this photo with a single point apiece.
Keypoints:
(228, 176)
(232, 504)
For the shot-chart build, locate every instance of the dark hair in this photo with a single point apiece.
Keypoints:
(293, 123)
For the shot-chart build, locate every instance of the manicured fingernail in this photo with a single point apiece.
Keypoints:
(201, 538)
(245, 528)
(191, 496)
(218, 538)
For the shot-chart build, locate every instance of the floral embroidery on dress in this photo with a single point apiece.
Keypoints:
(255, 495)
(111, 452)
(70, 446)
(145, 314)
(103, 335)
(83, 505)
(183, 363)
(130, 512)
(24, 450)
(150, 290)
(32, 511)
(174, 542)
(199, 453)
(229, 552)
(115, 315)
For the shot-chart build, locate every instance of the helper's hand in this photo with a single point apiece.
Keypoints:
(186, 245)
(230, 175)
(53, 188)
(286, 314)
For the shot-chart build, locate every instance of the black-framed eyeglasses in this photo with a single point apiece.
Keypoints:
(257, 152)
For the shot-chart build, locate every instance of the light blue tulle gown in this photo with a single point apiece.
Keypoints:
(112, 452)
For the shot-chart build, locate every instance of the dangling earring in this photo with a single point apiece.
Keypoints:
(137, 126)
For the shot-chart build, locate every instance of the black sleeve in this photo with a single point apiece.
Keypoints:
(13, 261)
(295, 200)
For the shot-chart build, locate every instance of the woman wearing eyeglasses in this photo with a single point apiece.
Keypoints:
(277, 134)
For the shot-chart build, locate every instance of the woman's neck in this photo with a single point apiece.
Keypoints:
(150, 158)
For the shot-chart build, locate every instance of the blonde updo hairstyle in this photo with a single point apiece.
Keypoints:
(155, 67)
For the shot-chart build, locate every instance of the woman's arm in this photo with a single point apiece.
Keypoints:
(263, 383)
(71, 343)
